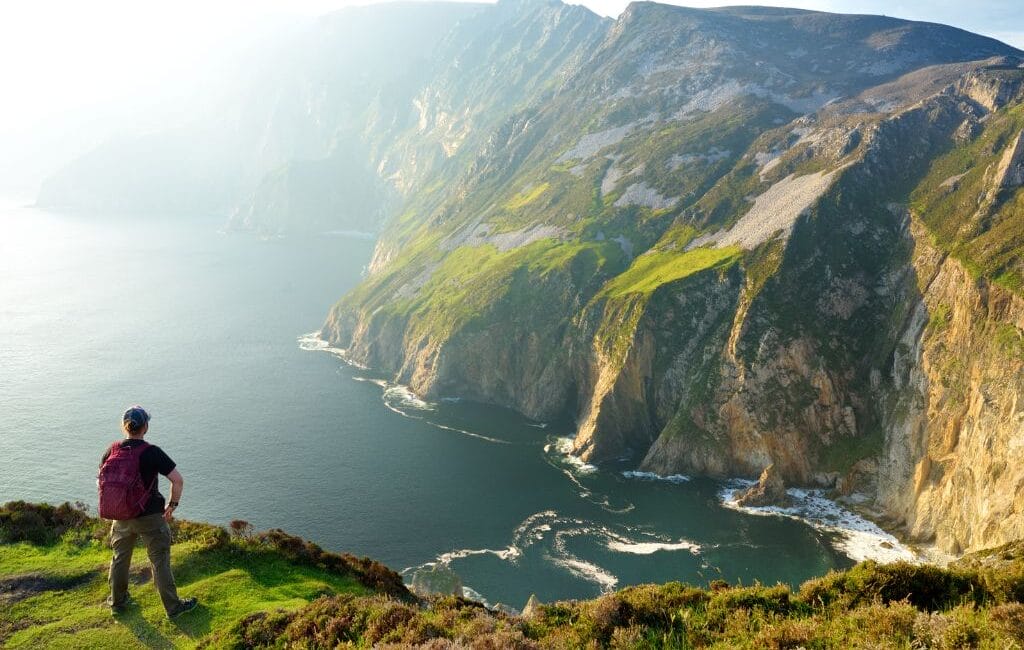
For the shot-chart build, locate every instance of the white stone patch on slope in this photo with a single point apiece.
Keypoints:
(578, 170)
(411, 288)
(591, 143)
(777, 209)
(480, 235)
(805, 105)
(890, 65)
(611, 178)
(767, 161)
(643, 194)
(952, 181)
(711, 156)
(808, 135)
(712, 99)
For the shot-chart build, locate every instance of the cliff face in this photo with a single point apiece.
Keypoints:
(716, 270)
(955, 435)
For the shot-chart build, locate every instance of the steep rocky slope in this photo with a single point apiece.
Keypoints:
(706, 246)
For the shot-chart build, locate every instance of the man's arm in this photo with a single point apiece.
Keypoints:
(177, 482)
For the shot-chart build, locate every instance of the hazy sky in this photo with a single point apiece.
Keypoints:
(67, 61)
(53, 52)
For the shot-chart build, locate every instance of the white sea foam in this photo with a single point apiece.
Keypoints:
(372, 380)
(398, 398)
(648, 548)
(313, 343)
(580, 568)
(473, 594)
(509, 554)
(587, 571)
(651, 476)
(402, 397)
(564, 447)
(857, 537)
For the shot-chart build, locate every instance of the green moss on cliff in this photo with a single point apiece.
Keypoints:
(474, 285)
(526, 197)
(964, 213)
(650, 271)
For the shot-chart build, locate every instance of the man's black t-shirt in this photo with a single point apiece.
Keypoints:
(152, 461)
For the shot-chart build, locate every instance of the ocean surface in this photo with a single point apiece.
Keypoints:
(211, 333)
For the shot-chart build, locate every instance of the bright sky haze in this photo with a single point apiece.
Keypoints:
(71, 68)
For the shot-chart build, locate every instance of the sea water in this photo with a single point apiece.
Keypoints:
(215, 334)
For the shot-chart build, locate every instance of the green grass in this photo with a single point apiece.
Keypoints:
(938, 320)
(474, 285)
(650, 271)
(988, 238)
(271, 590)
(1010, 340)
(232, 576)
(526, 197)
(229, 584)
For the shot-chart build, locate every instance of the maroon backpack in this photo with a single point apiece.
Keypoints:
(123, 495)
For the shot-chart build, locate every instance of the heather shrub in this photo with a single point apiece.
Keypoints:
(207, 536)
(1008, 618)
(42, 523)
(924, 586)
(786, 634)
(369, 573)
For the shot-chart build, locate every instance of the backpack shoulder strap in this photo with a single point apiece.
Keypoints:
(141, 449)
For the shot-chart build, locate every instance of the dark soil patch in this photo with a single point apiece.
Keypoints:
(141, 575)
(26, 585)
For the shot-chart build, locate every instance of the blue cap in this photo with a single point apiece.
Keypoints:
(136, 416)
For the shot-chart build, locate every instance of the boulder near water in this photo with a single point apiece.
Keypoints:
(768, 491)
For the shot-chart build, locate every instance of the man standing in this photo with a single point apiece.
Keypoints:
(129, 489)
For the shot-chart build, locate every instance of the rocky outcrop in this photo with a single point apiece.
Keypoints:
(532, 607)
(951, 470)
(439, 579)
(1010, 173)
(993, 91)
(769, 490)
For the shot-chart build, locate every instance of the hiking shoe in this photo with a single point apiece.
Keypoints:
(123, 607)
(187, 605)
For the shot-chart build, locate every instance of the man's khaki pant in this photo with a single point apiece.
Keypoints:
(156, 536)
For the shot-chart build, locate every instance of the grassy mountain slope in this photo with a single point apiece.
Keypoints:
(271, 590)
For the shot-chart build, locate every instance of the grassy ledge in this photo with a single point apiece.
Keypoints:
(53, 583)
(273, 590)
